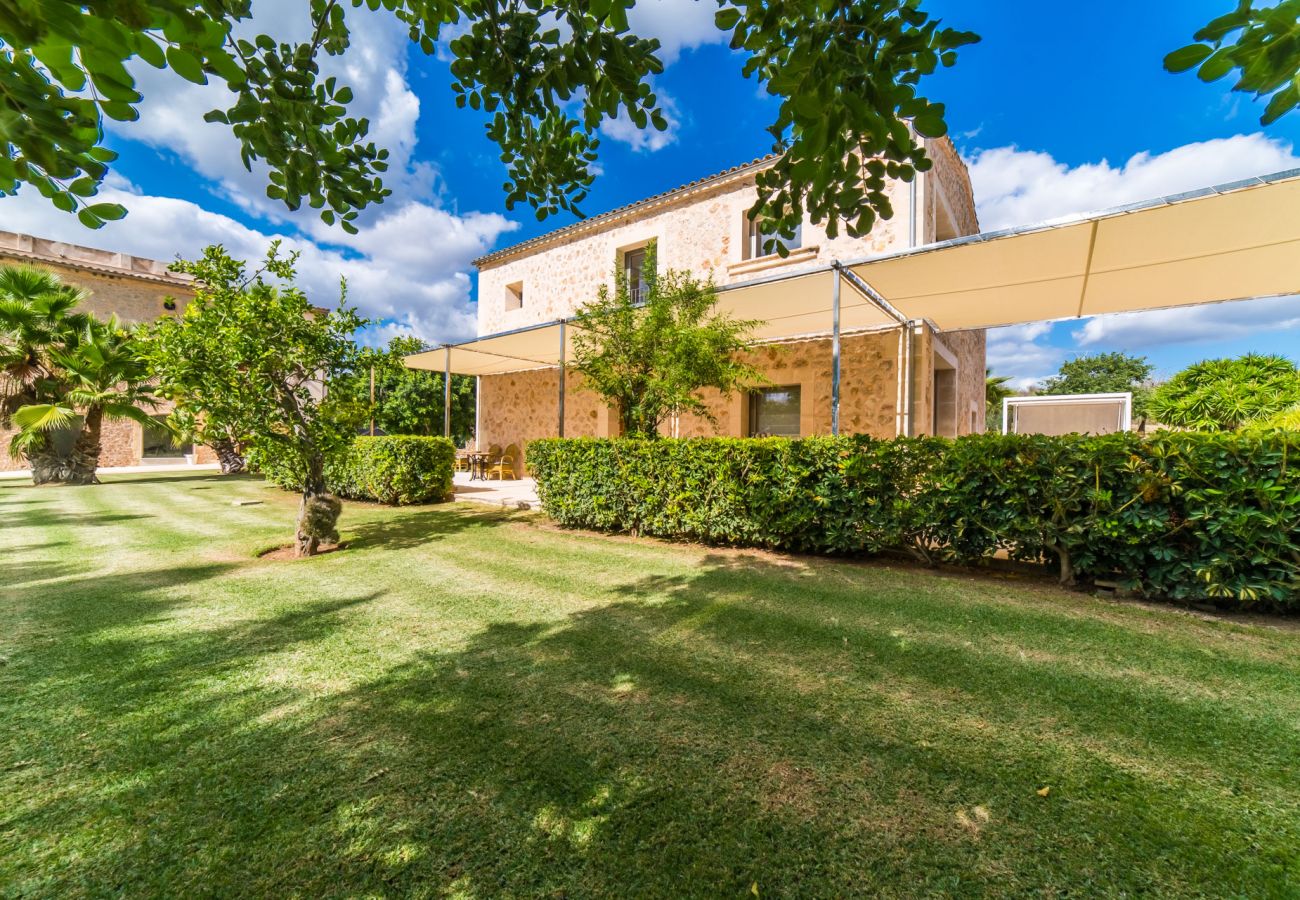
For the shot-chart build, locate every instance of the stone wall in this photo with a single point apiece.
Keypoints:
(702, 232)
(520, 407)
(131, 287)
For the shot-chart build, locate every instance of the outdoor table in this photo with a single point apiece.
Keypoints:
(477, 465)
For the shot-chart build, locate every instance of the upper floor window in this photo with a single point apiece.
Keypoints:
(634, 270)
(759, 244)
(515, 295)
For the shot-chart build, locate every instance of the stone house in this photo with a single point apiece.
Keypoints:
(136, 290)
(702, 227)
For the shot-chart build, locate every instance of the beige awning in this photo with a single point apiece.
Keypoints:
(1233, 242)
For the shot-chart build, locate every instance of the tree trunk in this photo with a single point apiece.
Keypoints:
(228, 455)
(47, 466)
(318, 514)
(1067, 566)
(84, 459)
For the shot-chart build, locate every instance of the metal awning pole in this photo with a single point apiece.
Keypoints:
(562, 378)
(835, 353)
(446, 394)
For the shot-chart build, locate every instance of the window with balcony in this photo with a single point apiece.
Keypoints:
(634, 270)
(515, 295)
(774, 412)
(758, 244)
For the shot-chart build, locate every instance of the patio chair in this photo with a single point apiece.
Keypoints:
(508, 462)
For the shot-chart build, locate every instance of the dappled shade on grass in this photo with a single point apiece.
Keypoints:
(472, 701)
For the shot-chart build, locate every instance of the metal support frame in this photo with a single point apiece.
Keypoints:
(563, 372)
(446, 394)
(906, 350)
(835, 354)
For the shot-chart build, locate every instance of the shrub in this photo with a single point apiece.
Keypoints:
(1184, 516)
(395, 469)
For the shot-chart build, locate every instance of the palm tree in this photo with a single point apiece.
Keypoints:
(995, 391)
(101, 376)
(37, 320)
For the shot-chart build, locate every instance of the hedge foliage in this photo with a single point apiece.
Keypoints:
(395, 469)
(1178, 515)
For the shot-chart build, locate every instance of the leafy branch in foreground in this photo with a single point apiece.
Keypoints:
(547, 75)
(1265, 52)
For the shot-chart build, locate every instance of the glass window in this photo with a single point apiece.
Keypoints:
(159, 443)
(634, 272)
(515, 295)
(759, 244)
(774, 412)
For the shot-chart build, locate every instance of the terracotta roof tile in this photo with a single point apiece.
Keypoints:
(597, 221)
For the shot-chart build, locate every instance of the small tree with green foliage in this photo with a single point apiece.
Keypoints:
(407, 401)
(254, 356)
(1264, 49)
(650, 360)
(1105, 373)
(1225, 394)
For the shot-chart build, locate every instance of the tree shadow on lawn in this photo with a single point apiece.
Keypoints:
(685, 736)
(54, 517)
(412, 527)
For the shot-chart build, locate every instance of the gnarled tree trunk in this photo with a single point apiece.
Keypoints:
(84, 459)
(47, 465)
(228, 455)
(318, 514)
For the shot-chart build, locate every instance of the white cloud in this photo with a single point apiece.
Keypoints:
(1020, 187)
(408, 268)
(678, 24)
(648, 139)
(1212, 322)
(1017, 351)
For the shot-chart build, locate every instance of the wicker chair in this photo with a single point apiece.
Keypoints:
(508, 462)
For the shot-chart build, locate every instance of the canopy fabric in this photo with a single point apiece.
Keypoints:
(1233, 242)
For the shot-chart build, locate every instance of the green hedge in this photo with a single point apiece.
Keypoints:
(1182, 516)
(393, 469)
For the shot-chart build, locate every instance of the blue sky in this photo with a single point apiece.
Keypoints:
(1061, 108)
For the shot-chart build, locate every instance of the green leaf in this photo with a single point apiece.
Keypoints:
(726, 18)
(186, 65)
(930, 125)
(1185, 58)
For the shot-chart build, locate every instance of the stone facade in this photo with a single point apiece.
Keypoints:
(133, 288)
(702, 228)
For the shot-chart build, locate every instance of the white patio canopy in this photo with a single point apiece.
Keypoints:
(1232, 242)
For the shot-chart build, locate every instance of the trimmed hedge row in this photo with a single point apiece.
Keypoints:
(395, 469)
(1182, 516)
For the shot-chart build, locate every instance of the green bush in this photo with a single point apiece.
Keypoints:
(1183, 516)
(395, 469)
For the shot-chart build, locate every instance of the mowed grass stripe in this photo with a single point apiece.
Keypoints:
(471, 703)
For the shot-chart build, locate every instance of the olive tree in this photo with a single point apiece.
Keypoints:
(251, 352)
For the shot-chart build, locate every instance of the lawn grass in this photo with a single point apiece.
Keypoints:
(471, 703)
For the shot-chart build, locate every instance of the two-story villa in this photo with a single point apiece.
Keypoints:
(894, 379)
